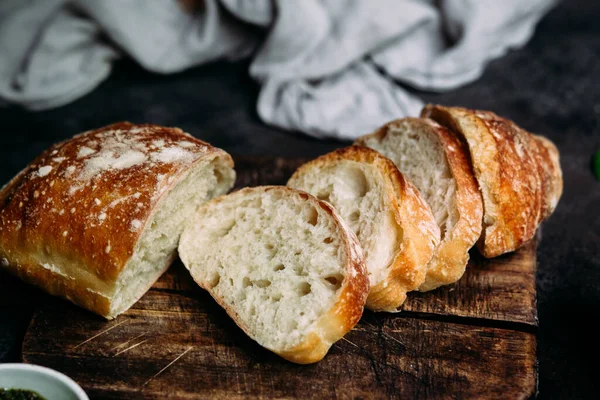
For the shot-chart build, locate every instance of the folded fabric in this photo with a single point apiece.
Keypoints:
(329, 68)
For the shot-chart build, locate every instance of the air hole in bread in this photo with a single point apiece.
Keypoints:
(354, 216)
(299, 270)
(335, 280)
(328, 240)
(247, 282)
(312, 216)
(269, 246)
(361, 185)
(226, 229)
(297, 252)
(324, 196)
(279, 267)
(304, 288)
(214, 280)
(263, 283)
(276, 297)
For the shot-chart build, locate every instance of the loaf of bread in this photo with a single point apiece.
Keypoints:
(395, 227)
(438, 164)
(518, 174)
(96, 219)
(282, 264)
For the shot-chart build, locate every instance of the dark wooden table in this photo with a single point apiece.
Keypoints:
(551, 86)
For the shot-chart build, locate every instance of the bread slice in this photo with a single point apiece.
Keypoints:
(551, 174)
(393, 224)
(510, 175)
(282, 264)
(438, 164)
(96, 219)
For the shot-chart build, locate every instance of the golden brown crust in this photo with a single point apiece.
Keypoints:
(70, 221)
(418, 233)
(348, 308)
(451, 256)
(506, 166)
(551, 173)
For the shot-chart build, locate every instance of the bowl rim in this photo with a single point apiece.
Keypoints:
(59, 376)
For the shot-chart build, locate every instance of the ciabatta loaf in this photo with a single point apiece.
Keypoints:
(518, 175)
(96, 219)
(392, 222)
(282, 264)
(438, 164)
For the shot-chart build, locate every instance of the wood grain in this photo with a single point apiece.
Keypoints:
(473, 339)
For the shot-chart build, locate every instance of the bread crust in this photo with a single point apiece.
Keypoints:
(417, 232)
(348, 308)
(507, 166)
(450, 258)
(551, 173)
(71, 220)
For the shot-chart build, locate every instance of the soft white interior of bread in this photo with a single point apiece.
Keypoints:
(158, 242)
(358, 192)
(419, 155)
(274, 260)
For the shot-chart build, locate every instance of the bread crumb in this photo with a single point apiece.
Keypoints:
(107, 248)
(72, 210)
(102, 217)
(61, 212)
(45, 170)
(97, 201)
(5, 262)
(58, 159)
(36, 194)
(65, 233)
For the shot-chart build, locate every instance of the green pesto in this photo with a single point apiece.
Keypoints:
(19, 394)
(596, 164)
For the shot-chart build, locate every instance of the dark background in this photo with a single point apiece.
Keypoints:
(551, 87)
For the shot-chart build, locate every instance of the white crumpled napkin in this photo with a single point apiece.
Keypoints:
(329, 68)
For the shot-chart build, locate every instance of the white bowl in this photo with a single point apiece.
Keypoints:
(47, 382)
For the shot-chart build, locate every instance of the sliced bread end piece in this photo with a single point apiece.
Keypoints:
(552, 181)
(282, 264)
(438, 164)
(393, 224)
(507, 171)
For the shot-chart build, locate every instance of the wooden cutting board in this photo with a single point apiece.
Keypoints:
(472, 339)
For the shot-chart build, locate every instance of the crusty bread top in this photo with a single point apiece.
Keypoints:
(87, 199)
(505, 163)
